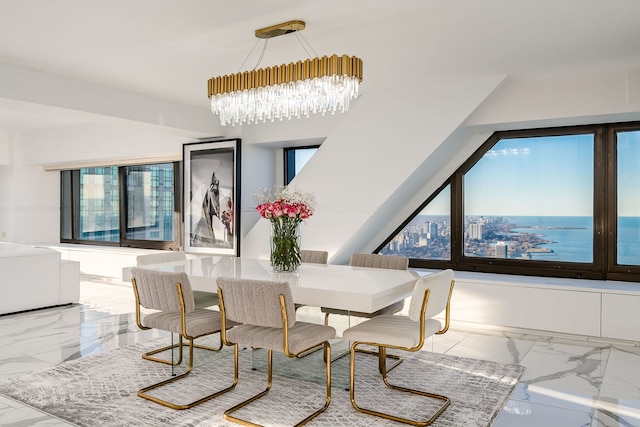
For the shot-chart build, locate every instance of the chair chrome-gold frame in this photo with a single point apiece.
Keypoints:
(390, 262)
(416, 332)
(308, 256)
(202, 300)
(296, 337)
(186, 314)
(179, 345)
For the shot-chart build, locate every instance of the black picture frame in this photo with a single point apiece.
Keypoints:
(211, 197)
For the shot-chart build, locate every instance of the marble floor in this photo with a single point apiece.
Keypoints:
(567, 383)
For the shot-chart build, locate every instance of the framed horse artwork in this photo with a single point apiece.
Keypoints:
(212, 197)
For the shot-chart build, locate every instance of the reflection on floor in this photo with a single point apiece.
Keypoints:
(567, 383)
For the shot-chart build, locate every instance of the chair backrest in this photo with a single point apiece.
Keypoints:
(256, 302)
(379, 261)
(157, 289)
(160, 257)
(439, 285)
(314, 257)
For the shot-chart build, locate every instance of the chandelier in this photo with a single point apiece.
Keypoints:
(316, 85)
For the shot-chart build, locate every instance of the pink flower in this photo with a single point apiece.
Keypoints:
(281, 203)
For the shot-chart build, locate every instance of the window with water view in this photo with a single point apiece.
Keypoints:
(557, 202)
(531, 198)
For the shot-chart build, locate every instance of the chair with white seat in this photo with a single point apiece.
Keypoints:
(431, 296)
(267, 317)
(170, 295)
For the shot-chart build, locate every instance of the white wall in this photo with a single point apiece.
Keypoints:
(372, 155)
(561, 100)
(376, 164)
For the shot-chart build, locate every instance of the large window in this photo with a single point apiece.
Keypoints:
(557, 202)
(125, 206)
(531, 198)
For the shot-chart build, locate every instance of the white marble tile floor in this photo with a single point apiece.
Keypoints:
(567, 383)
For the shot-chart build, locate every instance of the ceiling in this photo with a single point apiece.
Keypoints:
(169, 48)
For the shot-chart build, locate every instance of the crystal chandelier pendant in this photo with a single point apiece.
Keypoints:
(318, 85)
(328, 94)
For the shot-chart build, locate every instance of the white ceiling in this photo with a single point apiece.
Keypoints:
(169, 48)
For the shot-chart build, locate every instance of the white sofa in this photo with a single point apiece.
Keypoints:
(35, 277)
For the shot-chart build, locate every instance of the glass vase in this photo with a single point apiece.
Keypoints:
(285, 245)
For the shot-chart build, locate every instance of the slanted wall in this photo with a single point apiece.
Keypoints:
(372, 156)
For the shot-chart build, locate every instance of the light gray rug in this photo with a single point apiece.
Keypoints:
(101, 390)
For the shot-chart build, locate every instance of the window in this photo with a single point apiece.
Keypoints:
(121, 206)
(295, 159)
(531, 198)
(149, 209)
(99, 217)
(628, 202)
(428, 234)
(556, 202)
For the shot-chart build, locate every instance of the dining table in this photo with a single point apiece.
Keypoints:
(344, 287)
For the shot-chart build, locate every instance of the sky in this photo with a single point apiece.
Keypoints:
(542, 176)
(545, 176)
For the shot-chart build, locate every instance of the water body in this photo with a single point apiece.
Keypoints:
(572, 237)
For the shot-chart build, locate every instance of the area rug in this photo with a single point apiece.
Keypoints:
(100, 390)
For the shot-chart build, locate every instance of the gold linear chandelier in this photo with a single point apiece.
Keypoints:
(316, 85)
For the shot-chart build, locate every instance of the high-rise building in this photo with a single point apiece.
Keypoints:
(502, 250)
(433, 230)
(476, 231)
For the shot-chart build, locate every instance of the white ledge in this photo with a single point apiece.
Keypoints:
(556, 283)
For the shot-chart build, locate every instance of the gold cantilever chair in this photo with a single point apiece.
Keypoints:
(391, 262)
(171, 295)
(201, 299)
(431, 296)
(375, 261)
(267, 317)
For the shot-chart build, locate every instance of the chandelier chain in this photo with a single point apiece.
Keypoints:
(250, 52)
(301, 38)
(264, 49)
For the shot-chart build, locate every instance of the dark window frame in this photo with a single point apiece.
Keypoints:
(289, 154)
(603, 266)
(122, 192)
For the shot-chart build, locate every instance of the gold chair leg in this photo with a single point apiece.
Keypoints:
(204, 347)
(227, 414)
(149, 355)
(143, 392)
(397, 358)
(375, 353)
(327, 360)
(308, 352)
(327, 357)
(179, 345)
(383, 370)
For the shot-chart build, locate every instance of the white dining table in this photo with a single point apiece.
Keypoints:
(343, 287)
